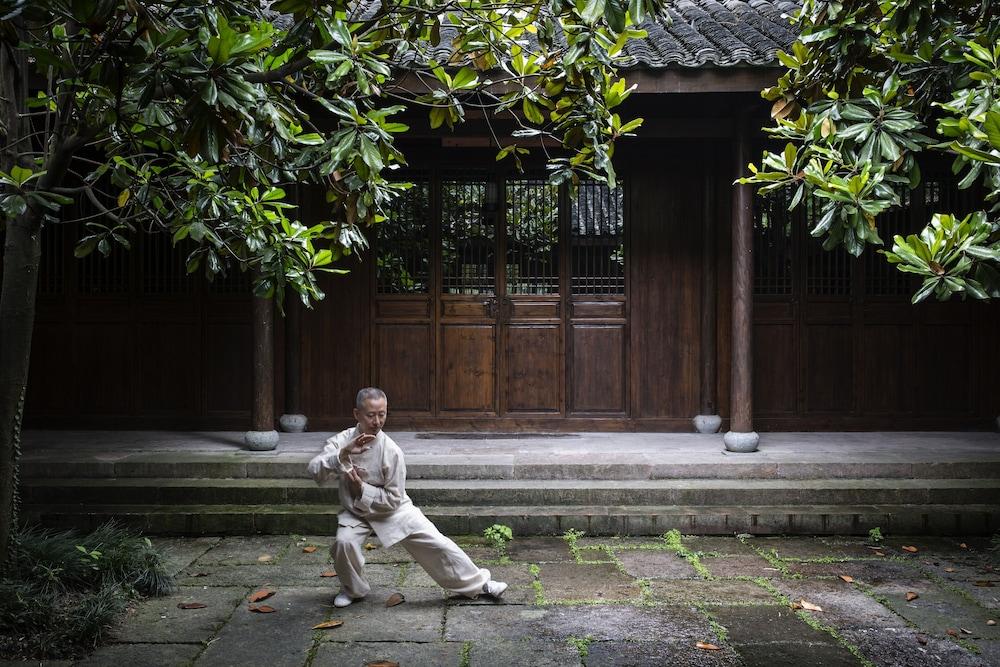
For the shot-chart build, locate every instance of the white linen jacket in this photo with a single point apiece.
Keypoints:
(383, 504)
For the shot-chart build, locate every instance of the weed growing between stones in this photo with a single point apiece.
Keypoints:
(645, 593)
(672, 540)
(466, 655)
(499, 536)
(536, 583)
(61, 591)
(875, 535)
(721, 631)
(571, 536)
(582, 645)
(404, 569)
(770, 556)
(814, 623)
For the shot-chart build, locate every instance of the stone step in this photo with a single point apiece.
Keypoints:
(266, 465)
(696, 492)
(632, 519)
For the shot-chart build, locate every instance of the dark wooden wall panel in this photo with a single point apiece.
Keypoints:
(228, 369)
(829, 375)
(665, 245)
(598, 368)
(887, 369)
(944, 361)
(468, 368)
(534, 364)
(52, 380)
(775, 368)
(403, 358)
(104, 362)
(168, 381)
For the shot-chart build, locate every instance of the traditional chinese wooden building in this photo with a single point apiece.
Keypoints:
(492, 300)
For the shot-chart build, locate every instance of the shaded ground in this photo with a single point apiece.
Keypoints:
(582, 601)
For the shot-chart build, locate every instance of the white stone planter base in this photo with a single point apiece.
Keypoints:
(742, 443)
(261, 441)
(707, 423)
(293, 423)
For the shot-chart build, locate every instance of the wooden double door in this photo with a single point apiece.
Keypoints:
(474, 294)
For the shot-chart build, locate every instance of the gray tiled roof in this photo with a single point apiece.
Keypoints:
(698, 33)
(722, 33)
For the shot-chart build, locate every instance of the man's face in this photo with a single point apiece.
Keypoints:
(371, 417)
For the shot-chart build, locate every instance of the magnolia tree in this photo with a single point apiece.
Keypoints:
(869, 87)
(192, 118)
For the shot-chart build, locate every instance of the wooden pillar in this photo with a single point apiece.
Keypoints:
(293, 421)
(262, 435)
(741, 436)
(708, 420)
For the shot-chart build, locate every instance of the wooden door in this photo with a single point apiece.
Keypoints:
(531, 300)
(468, 305)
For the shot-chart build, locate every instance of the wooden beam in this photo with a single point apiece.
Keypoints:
(709, 401)
(703, 79)
(741, 407)
(293, 353)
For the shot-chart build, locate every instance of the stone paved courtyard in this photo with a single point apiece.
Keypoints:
(576, 600)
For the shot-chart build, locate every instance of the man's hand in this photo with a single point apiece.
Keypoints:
(358, 445)
(354, 480)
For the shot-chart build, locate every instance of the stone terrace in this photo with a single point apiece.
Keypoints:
(582, 601)
(602, 483)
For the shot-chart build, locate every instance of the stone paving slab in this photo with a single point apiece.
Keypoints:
(585, 581)
(766, 624)
(649, 653)
(159, 620)
(805, 548)
(418, 619)
(721, 592)
(358, 654)
(795, 654)
(655, 565)
(182, 551)
(720, 546)
(281, 638)
(240, 550)
(740, 566)
(895, 647)
(540, 550)
(937, 610)
(622, 622)
(491, 653)
(277, 575)
(142, 654)
(844, 605)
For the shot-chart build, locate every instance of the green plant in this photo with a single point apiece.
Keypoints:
(875, 535)
(62, 591)
(571, 536)
(499, 536)
(582, 645)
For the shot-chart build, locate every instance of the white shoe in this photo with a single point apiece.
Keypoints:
(494, 589)
(342, 600)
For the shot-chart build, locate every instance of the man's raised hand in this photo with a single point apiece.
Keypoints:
(359, 444)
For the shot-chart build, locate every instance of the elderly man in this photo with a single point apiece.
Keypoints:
(372, 478)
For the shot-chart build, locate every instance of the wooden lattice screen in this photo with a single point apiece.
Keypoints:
(468, 236)
(404, 243)
(532, 261)
(597, 236)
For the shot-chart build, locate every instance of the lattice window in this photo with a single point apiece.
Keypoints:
(468, 236)
(404, 246)
(97, 274)
(597, 239)
(881, 277)
(828, 272)
(164, 269)
(532, 260)
(772, 244)
(52, 267)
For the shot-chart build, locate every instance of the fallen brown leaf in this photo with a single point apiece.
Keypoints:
(191, 605)
(369, 546)
(965, 632)
(394, 599)
(951, 632)
(922, 640)
(200, 574)
(795, 605)
(879, 553)
(262, 608)
(964, 545)
(308, 550)
(328, 573)
(382, 663)
(991, 622)
(705, 646)
(262, 594)
(809, 606)
(264, 558)
(983, 583)
(909, 549)
(847, 578)
(326, 625)
(949, 569)
(911, 596)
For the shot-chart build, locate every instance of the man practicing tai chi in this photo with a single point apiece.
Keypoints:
(373, 495)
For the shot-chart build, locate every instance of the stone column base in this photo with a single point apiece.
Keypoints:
(707, 423)
(741, 442)
(261, 441)
(292, 423)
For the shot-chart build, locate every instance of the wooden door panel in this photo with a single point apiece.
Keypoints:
(598, 368)
(168, 382)
(829, 379)
(228, 380)
(774, 367)
(534, 366)
(403, 357)
(468, 368)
